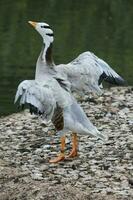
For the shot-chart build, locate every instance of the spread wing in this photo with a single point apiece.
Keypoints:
(87, 72)
(42, 98)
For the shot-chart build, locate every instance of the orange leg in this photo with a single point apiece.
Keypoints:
(62, 154)
(74, 151)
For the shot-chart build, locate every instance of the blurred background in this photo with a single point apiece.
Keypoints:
(103, 27)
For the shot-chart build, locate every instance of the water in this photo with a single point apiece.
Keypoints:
(103, 27)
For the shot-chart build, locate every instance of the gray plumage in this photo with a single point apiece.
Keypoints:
(87, 72)
(49, 95)
(45, 99)
(75, 120)
(43, 96)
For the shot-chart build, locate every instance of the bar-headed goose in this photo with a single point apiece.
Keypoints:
(49, 95)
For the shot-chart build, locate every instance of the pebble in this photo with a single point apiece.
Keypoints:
(37, 176)
(130, 181)
(38, 151)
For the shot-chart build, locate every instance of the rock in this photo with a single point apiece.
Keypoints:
(44, 168)
(130, 146)
(46, 146)
(38, 151)
(130, 181)
(37, 176)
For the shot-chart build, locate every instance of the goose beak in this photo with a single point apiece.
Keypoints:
(33, 23)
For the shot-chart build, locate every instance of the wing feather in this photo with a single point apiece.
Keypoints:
(39, 97)
(87, 72)
(42, 97)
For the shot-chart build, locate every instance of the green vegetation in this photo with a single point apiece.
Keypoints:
(103, 27)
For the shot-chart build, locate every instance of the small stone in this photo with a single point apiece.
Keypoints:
(130, 181)
(38, 151)
(124, 184)
(37, 176)
(46, 146)
(44, 168)
(130, 146)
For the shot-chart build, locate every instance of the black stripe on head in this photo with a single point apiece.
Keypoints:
(50, 34)
(45, 26)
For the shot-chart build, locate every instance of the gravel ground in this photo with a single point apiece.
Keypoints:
(101, 171)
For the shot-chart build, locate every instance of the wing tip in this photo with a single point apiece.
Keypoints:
(119, 81)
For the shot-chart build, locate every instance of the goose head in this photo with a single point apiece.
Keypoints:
(44, 30)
